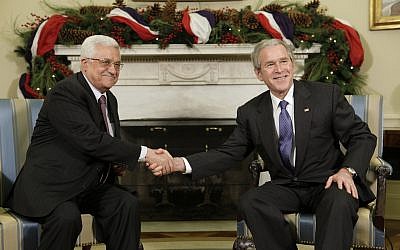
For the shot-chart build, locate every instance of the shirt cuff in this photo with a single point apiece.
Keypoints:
(143, 153)
(188, 168)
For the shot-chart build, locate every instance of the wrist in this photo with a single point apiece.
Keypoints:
(350, 171)
(179, 165)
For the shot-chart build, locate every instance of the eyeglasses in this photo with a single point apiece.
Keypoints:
(104, 62)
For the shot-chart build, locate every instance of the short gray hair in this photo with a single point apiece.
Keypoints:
(88, 47)
(255, 55)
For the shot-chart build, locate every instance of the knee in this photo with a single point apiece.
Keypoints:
(340, 200)
(129, 201)
(246, 203)
(67, 216)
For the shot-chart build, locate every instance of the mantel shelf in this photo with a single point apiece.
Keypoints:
(182, 49)
(208, 81)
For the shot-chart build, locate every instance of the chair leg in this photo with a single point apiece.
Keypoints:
(243, 243)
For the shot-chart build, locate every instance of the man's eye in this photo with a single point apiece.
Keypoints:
(105, 62)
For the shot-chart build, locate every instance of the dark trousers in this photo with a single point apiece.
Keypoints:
(116, 220)
(263, 209)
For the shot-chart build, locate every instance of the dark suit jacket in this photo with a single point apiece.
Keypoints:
(68, 147)
(323, 118)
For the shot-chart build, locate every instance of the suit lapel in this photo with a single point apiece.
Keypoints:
(93, 106)
(266, 125)
(302, 115)
(113, 113)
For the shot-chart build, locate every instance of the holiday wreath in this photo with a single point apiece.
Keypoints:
(302, 25)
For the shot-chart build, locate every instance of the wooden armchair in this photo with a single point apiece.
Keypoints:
(17, 119)
(369, 232)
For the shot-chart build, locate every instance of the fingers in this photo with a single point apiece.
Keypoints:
(328, 183)
(343, 181)
(163, 151)
(159, 162)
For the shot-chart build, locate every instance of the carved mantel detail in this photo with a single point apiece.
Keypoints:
(188, 72)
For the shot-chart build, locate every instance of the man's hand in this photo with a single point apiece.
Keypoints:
(343, 178)
(158, 170)
(119, 170)
(159, 161)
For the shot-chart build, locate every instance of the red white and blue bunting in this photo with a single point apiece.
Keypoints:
(198, 24)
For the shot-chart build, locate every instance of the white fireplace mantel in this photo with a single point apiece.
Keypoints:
(204, 82)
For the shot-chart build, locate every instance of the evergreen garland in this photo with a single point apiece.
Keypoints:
(311, 23)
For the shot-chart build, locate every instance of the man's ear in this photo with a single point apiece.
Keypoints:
(258, 74)
(84, 63)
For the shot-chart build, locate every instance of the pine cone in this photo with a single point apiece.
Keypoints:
(155, 10)
(74, 36)
(299, 18)
(233, 17)
(219, 15)
(313, 4)
(250, 21)
(119, 3)
(179, 16)
(96, 10)
(273, 7)
(168, 13)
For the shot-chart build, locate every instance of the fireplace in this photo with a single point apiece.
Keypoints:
(185, 100)
(177, 197)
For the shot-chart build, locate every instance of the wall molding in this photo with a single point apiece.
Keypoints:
(391, 121)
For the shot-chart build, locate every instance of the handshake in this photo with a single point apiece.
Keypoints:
(160, 162)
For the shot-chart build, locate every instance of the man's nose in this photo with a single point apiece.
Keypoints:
(278, 67)
(113, 68)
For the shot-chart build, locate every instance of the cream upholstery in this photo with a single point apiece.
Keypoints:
(369, 231)
(17, 119)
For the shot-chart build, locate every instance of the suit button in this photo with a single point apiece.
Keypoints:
(294, 179)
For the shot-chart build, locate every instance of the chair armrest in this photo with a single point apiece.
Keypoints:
(382, 169)
(378, 166)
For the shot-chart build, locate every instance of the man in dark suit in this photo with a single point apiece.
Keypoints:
(296, 127)
(75, 155)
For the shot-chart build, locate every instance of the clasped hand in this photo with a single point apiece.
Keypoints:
(160, 162)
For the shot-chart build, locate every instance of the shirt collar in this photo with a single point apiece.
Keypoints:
(289, 98)
(95, 91)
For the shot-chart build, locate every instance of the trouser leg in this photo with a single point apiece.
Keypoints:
(336, 216)
(116, 217)
(262, 209)
(61, 227)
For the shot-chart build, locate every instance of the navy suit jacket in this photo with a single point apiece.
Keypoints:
(69, 147)
(323, 120)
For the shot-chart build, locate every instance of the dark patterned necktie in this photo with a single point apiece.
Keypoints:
(103, 108)
(285, 134)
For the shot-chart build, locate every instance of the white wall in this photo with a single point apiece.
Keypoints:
(381, 54)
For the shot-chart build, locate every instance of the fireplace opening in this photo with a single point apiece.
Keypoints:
(176, 196)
